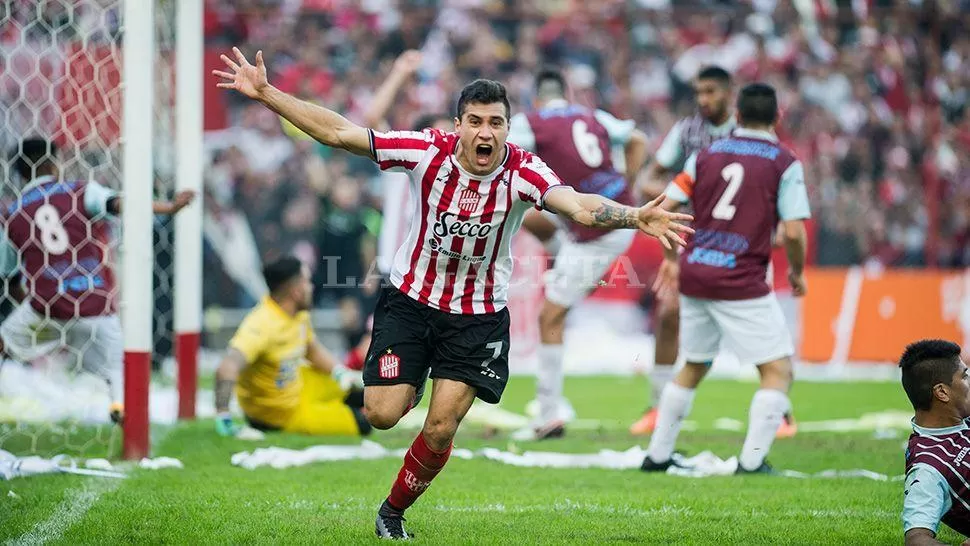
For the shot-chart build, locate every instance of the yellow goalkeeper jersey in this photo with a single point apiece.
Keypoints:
(275, 346)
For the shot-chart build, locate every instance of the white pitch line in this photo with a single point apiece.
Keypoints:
(569, 506)
(75, 505)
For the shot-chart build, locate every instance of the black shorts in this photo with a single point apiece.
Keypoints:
(410, 337)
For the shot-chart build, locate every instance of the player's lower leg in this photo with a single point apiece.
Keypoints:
(675, 405)
(665, 356)
(768, 408)
(450, 401)
(550, 376)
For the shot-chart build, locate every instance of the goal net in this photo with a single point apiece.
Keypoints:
(61, 81)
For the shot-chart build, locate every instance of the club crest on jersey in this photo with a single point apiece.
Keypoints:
(389, 365)
(468, 200)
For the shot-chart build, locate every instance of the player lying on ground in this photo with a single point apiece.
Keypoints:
(446, 309)
(267, 365)
(739, 187)
(576, 142)
(936, 381)
(55, 245)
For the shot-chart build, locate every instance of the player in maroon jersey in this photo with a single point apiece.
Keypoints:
(936, 490)
(714, 120)
(740, 188)
(446, 310)
(577, 143)
(55, 245)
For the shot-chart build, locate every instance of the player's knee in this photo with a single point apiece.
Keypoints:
(380, 416)
(776, 374)
(552, 316)
(439, 433)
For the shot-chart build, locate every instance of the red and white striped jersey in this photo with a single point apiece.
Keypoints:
(456, 256)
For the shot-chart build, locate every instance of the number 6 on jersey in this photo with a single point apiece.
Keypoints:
(734, 175)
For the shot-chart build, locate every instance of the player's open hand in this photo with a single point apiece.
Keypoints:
(798, 286)
(225, 425)
(247, 79)
(182, 199)
(408, 62)
(656, 221)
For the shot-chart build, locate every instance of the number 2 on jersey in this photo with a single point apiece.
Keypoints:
(52, 233)
(587, 144)
(734, 175)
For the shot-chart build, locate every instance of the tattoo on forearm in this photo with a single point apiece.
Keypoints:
(615, 216)
(224, 393)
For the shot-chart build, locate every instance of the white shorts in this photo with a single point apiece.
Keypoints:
(579, 266)
(754, 329)
(96, 342)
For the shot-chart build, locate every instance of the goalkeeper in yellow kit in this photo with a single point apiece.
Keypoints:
(284, 378)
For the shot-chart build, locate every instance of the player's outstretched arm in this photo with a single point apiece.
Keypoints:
(324, 361)
(226, 376)
(326, 126)
(593, 210)
(182, 199)
(404, 67)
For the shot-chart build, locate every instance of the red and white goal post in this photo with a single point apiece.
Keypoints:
(139, 79)
(117, 85)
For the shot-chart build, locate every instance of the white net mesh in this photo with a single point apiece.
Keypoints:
(60, 81)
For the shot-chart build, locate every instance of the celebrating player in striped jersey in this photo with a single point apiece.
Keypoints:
(56, 229)
(740, 187)
(576, 142)
(937, 474)
(446, 310)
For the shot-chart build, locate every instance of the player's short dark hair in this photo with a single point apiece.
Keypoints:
(427, 120)
(278, 273)
(484, 92)
(757, 104)
(34, 155)
(925, 364)
(715, 73)
(549, 82)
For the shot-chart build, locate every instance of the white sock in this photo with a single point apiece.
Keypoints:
(549, 381)
(768, 408)
(675, 404)
(660, 375)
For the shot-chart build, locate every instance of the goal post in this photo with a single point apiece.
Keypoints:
(188, 224)
(98, 79)
(138, 79)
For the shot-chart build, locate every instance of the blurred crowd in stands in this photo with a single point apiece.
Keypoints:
(875, 97)
(874, 93)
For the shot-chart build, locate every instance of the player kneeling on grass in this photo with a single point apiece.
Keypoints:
(54, 246)
(740, 187)
(266, 365)
(936, 381)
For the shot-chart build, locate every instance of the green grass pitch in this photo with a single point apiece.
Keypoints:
(485, 502)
